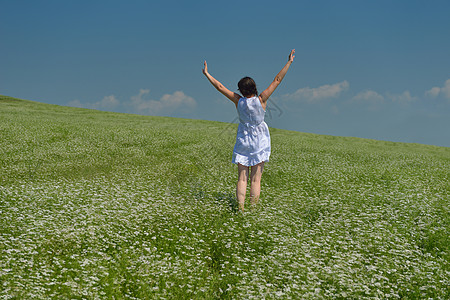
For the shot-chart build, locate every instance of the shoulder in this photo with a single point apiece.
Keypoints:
(263, 103)
(261, 99)
(234, 98)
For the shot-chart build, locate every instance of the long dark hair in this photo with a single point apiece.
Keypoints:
(247, 87)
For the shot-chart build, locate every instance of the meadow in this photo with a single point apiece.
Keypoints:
(100, 205)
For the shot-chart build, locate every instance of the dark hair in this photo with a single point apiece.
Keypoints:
(247, 87)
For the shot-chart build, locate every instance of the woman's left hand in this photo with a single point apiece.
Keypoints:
(291, 56)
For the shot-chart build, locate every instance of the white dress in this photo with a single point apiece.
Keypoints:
(253, 138)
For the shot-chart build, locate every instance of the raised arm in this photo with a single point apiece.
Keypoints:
(220, 87)
(276, 82)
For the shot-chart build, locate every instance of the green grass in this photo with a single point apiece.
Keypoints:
(106, 205)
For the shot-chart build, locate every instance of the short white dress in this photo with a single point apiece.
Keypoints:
(253, 139)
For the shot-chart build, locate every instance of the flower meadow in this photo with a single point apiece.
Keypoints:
(99, 205)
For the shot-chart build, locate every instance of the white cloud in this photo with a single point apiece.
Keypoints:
(107, 103)
(178, 101)
(403, 98)
(137, 103)
(370, 98)
(167, 104)
(446, 89)
(436, 91)
(316, 94)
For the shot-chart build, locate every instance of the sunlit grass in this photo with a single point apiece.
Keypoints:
(106, 205)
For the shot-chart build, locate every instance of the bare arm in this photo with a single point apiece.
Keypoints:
(220, 87)
(276, 82)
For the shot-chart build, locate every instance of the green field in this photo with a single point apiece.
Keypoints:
(98, 205)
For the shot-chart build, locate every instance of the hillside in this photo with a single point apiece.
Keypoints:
(100, 205)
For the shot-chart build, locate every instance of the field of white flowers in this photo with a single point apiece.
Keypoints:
(104, 205)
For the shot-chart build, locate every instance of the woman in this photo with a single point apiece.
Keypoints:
(252, 146)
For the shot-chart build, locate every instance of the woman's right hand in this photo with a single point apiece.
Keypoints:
(205, 68)
(291, 55)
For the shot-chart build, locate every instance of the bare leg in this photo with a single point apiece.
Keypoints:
(241, 188)
(255, 179)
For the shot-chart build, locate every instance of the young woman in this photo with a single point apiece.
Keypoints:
(252, 146)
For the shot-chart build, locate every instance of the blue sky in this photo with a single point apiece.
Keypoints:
(371, 69)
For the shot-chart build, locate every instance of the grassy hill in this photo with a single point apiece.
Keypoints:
(107, 205)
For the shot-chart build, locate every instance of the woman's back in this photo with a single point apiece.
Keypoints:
(250, 110)
(253, 139)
